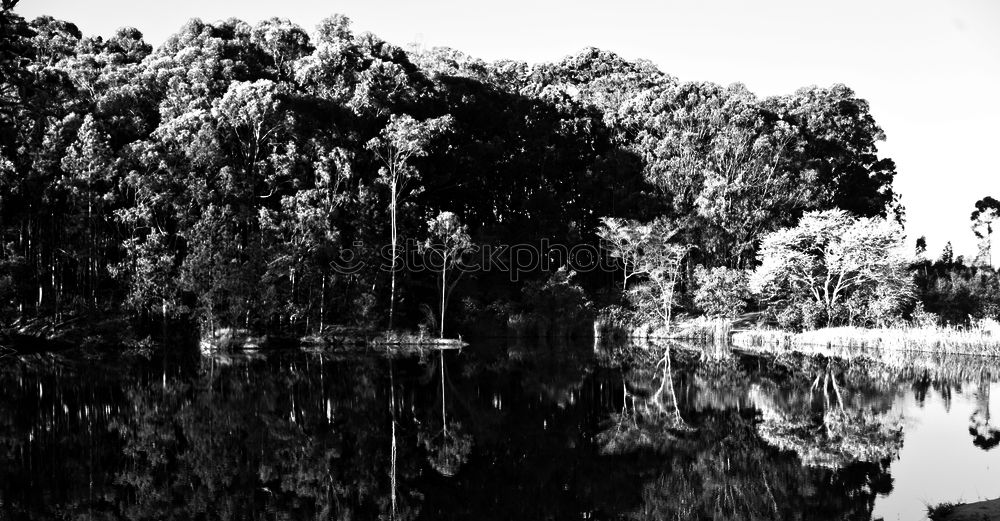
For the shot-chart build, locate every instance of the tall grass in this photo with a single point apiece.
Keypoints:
(981, 338)
(703, 329)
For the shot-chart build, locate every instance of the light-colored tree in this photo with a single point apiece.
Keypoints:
(402, 139)
(662, 265)
(252, 110)
(283, 40)
(448, 240)
(648, 249)
(830, 257)
(624, 240)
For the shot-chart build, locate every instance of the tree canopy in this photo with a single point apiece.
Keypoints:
(223, 174)
(835, 267)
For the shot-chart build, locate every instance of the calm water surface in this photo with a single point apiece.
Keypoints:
(497, 431)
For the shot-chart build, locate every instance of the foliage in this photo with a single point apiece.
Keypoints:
(957, 293)
(560, 295)
(732, 167)
(920, 317)
(721, 291)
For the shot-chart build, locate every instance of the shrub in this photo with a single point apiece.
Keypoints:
(923, 318)
(557, 306)
(721, 291)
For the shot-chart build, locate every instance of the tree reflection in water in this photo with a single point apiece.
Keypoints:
(448, 448)
(650, 417)
(496, 432)
(821, 426)
(985, 435)
(718, 465)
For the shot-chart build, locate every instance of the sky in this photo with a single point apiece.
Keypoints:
(930, 69)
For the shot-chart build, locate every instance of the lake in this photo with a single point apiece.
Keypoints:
(499, 430)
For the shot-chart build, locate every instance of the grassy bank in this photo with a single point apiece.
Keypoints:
(696, 329)
(978, 511)
(982, 338)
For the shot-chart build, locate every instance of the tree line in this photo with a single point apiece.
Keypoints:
(221, 175)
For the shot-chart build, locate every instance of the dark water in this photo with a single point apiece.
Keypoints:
(519, 432)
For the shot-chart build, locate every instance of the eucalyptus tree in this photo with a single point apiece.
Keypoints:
(448, 240)
(234, 161)
(625, 239)
(39, 118)
(655, 257)
(88, 164)
(284, 41)
(731, 167)
(302, 232)
(661, 262)
(199, 178)
(402, 140)
(330, 70)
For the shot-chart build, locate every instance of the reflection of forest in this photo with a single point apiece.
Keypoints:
(720, 463)
(501, 433)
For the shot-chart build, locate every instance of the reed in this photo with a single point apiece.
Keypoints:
(702, 329)
(981, 338)
(763, 338)
(614, 322)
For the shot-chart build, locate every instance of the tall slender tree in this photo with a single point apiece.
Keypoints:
(402, 140)
(449, 239)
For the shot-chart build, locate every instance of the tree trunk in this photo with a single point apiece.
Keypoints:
(444, 271)
(392, 241)
(322, 303)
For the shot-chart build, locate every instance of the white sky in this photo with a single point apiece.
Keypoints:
(929, 68)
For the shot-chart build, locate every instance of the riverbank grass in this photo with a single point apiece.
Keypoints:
(977, 511)
(982, 338)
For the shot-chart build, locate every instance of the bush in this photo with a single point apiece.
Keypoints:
(923, 318)
(814, 315)
(721, 292)
(558, 306)
(801, 315)
(789, 318)
(614, 320)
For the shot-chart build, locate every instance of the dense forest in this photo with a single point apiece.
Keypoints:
(227, 175)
